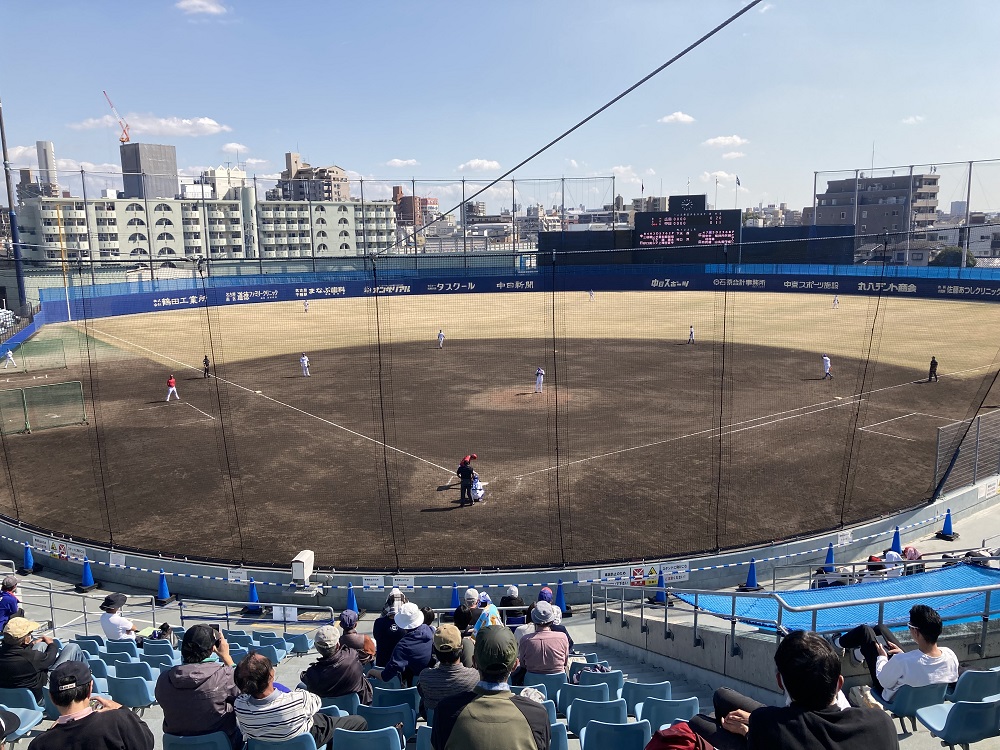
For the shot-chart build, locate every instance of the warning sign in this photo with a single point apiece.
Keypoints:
(644, 575)
(58, 548)
(673, 572)
(615, 575)
(373, 583)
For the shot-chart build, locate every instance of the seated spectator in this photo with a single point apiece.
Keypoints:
(912, 557)
(471, 600)
(815, 715)
(412, 654)
(164, 633)
(893, 563)
(25, 662)
(511, 599)
(874, 570)
(385, 632)
(82, 725)
(363, 645)
(115, 626)
(449, 677)
(489, 716)
(338, 671)
(10, 605)
(429, 617)
(892, 669)
(464, 622)
(197, 695)
(265, 713)
(544, 651)
(558, 627)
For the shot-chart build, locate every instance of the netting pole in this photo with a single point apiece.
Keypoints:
(975, 457)
(968, 204)
(937, 456)
(24, 405)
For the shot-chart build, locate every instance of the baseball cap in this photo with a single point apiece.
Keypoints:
(472, 596)
(327, 638)
(199, 640)
(9, 723)
(447, 639)
(545, 595)
(543, 613)
(19, 627)
(496, 649)
(349, 619)
(69, 675)
(9, 583)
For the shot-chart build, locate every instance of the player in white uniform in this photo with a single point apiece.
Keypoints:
(539, 379)
(691, 335)
(826, 368)
(836, 301)
(9, 360)
(304, 362)
(440, 338)
(591, 295)
(305, 305)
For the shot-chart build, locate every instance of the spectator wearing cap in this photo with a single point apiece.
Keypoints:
(471, 600)
(338, 671)
(115, 626)
(412, 654)
(197, 695)
(10, 605)
(81, 727)
(511, 599)
(385, 631)
(265, 713)
(363, 645)
(464, 623)
(25, 661)
(544, 651)
(449, 677)
(9, 723)
(490, 717)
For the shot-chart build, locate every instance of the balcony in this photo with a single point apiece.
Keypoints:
(216, 214)
(108, 245)
(281, 240)
(265, 214)
(279, 227)
(191, 214)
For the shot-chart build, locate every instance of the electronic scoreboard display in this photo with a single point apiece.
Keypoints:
(665, 229)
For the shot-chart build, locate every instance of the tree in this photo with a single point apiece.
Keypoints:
(952, 256)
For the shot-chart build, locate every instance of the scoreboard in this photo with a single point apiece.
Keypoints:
(665, 228)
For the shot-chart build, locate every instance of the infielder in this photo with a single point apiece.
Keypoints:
(836, 301)
(691, 335)
(9, 360)
(172, 388)
(440, 338)
(205, 365)
(304, 362)
(826, 368)
(539, 379)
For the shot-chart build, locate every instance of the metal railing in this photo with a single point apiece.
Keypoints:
(858, 571)
(42, 594)
(189, 611)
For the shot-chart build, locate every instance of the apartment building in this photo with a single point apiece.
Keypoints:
(897, 203)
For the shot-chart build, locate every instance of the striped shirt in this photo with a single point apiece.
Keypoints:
(279, 716)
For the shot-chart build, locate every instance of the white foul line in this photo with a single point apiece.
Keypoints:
(147, 408)
(199, 410)
(885, 434)
(869, 426)
(279, 403)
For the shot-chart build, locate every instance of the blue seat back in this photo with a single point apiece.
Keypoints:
(29, 718)
(98, 639)
(275, 640)
(123, 647)
(301, 644)
(132, 692)
(550, 707)
(974, 686)
(560, 737)
(401, 697)
(970, 722)
(599, 734)
(552, 682)
(18, 698)
(299, 742)
(424, 738)
(908, 699)
(159, 647)
(580, 666)
(658, 711)
(100, 668)
(230, 633)
(272, 653)
(614, 680)
(591, 658)
(213, 741)
(396, 683)
(157, 662)
(636, 692)
(89, 647)
(244, 641)
(581, 712)
(258, 634)
(135, 669)
(379, 717)
(348, 703)
(569, 693)
(118, 657)
(238, 654)
(385, 738)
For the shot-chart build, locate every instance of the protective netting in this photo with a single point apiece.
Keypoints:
(42, 406)
(38, 355)
(638, 444)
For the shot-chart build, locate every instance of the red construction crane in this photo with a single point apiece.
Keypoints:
(121, 120)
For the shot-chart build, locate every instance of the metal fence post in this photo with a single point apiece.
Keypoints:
(734, 647)
(981, 647)
(937, 456)
(975, 458)
(698, 640)
(86, 620)
(624, 623)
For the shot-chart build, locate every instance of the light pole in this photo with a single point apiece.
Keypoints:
(15, 234)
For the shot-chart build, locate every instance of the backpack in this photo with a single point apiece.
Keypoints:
(678, 737)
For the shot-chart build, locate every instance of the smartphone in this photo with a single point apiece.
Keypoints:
(215, 628)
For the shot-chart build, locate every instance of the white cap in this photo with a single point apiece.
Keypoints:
(471, 595)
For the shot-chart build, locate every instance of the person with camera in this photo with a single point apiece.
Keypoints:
(197, 696)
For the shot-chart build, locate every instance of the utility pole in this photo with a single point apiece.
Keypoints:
(15, 235)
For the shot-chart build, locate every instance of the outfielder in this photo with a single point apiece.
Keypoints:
(539, 379)
(826, 368)
(305, 305)
(304, 363)
(836, 301)
(440, 338)
(205, 366)
(691, 335)
(9, 360)
(172, 388)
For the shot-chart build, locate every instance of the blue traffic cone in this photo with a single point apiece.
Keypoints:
(456, 601)
(352, 600)
(29, 562)
(829, 566)
(948, 533)
(896, 547)
(661, 596)
(252, 597)
(163, 595)
(560, 601)
(751, 584)
(87, 583)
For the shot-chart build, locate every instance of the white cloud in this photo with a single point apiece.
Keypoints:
(719, 175)
(913, 120)
(725, 141)
(733, 155)
(625, 175)
(194, 171)
(677, 117)
(23, 155)
(157, 126)
(208, 7)
(256, 161)
(234, 148)
(479, 165)
(650, 172)
(402, 163)
(573, 163)
(765, 8)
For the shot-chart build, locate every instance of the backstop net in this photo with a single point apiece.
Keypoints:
(36, 355)
(41, 407)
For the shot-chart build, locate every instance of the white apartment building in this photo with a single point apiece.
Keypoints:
(291, 229)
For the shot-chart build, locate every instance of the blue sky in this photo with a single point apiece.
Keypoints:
(446, 91)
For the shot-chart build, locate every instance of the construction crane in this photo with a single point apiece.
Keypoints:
(121, 120)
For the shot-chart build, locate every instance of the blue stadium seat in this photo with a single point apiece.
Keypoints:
(89, 647)
(299, 742)
(28, 717)
(401, 697)
(334, 711)
(658, 711)
(98, 639)
(238, 654)
(581, 712)
(272, 653)
(962, 723)
(100, 668)
(243, 641)
(385, 738)
(379, 717)
(579, 666)
(974, 686)
(213, 741)
(598, 735)
(348, 703)
(161, 647)
(136, 669)
(550, 707)
(516, 689)
(559, 737)
(301, 644)
(123, 647)
(552, 682)
(132, 692)
(18, 698)
(636, 692)
(158, 662)
(908, 700)
(614, 680)
(569, 693)
(396, 683)
(275, 640)
(424, 737)
(112, 658)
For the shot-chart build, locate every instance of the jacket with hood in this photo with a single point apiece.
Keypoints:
(198, 699)
(412, 654)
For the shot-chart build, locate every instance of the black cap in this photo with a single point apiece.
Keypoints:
(199, 639)
(9, 723)
(69, 676)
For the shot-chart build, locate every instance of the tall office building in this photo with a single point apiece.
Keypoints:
(48, 178)
(149, 170)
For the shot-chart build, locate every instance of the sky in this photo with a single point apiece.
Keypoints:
(394, 91)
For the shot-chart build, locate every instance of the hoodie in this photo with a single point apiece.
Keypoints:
(198, 699)
(412, 654)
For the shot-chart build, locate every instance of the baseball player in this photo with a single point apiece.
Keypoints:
(304, 363)
(539, 379)
(691, 335)
(836, 301)
(305, 305)
(172, 388)
(9, 360)
(591, 295)
(205, 365)
(469, 459)
(826, 368)
(440, 338)
(931, 374)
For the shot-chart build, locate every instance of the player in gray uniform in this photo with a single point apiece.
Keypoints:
(440, 338)
(304, 362)
(539, 380)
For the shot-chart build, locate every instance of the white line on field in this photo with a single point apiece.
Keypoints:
(199, 410)
(884, 434)
(904, 416)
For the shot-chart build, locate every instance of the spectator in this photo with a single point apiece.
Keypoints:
(449, 677)
(511, 599)
(471, 600)
(893, 563)
(558, 627)
(197, 695)
(429, 617)
(385, 631)
(83, 726)
(363, 645)
(892, 669)
(164, 633)
(338, 671)
(9, 723)
(544, 651)
(265, 713)
(815, 715)
(10, 606)
(25, 661)
(464, 622)
(116, 627)
(412, 654)
(489, 716)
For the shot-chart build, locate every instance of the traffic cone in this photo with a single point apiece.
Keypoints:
(456, 600)
(896, 547)
(29, 563)
(661, 596)
(87, 583)
(352, 600)
(829, 566)
(163, 595)
(751, 584)
(560, 601)
(948, 533)
(252, 597)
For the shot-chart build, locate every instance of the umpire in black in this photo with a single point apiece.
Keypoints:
(465, 474)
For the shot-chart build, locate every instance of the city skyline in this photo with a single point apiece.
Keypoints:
(404, 96)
